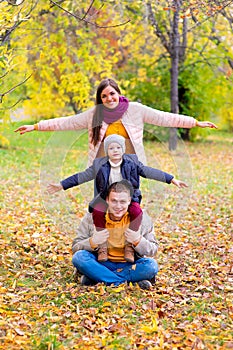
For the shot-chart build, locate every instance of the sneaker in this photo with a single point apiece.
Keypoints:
(129, 253)
(153, 280)
(86, 281)
(145, 284)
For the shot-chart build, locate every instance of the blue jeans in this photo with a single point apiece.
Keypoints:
(114, 272)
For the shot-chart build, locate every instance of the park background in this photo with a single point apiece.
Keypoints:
(53, 56)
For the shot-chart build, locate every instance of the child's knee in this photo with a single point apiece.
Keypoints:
(135, 210)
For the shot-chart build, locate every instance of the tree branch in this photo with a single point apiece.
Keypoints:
(3, 76)
(229, 17)
(83, 19)
(161, 57)
(88, 10)
(14, 87)
(203, 60)
(197, 23)
(183, 46)
(5, 36)
(10, 107)
(157, 30)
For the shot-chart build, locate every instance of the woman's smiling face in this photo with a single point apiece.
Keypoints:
(110, 97)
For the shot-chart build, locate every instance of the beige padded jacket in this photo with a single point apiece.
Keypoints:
(133, 120)
(147, 246)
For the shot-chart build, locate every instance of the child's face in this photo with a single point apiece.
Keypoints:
(115, 152)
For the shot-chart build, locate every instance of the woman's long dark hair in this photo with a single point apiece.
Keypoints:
(98, 115)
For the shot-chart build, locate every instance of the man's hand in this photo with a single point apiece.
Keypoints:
(132, 236)
(25, 128)
(179, 183)
(52, 188)
(100, 237)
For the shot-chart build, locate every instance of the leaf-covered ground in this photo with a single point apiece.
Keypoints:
(191, 305)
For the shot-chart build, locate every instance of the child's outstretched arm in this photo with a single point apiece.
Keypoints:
(178, 183)
(73, 180)
(159, 175)
(52, 188)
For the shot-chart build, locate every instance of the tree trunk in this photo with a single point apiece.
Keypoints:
(184, 101)
(173, 138)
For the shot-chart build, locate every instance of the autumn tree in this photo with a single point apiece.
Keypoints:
(68, 47)
(78, 57)
(173, 25)
(12, 16)
(57, 45)
(220, 41)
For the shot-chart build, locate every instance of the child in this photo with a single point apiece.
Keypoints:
(112, 168)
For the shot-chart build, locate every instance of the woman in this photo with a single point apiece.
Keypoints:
(114, 114)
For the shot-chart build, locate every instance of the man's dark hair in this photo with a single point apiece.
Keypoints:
(121, 186)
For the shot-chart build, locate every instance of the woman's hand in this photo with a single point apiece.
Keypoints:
(179, 183)
(206, 125)
(25, 128)
(52, 188)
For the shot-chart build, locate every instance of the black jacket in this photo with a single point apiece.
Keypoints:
(131, 170)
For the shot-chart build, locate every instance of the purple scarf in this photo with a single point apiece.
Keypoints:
(112, 115)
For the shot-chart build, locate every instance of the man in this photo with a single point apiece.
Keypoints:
(116, 269)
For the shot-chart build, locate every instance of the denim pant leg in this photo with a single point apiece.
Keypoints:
(114, 273)
(87, 264)
(142, 269)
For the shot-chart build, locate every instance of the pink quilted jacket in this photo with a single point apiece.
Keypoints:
(133, 121)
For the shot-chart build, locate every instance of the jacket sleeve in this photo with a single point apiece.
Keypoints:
(84, 232)
(148, 245)
(75, 122)
(148, 172)
(161, 118)
(154, 174)
(79, 178)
